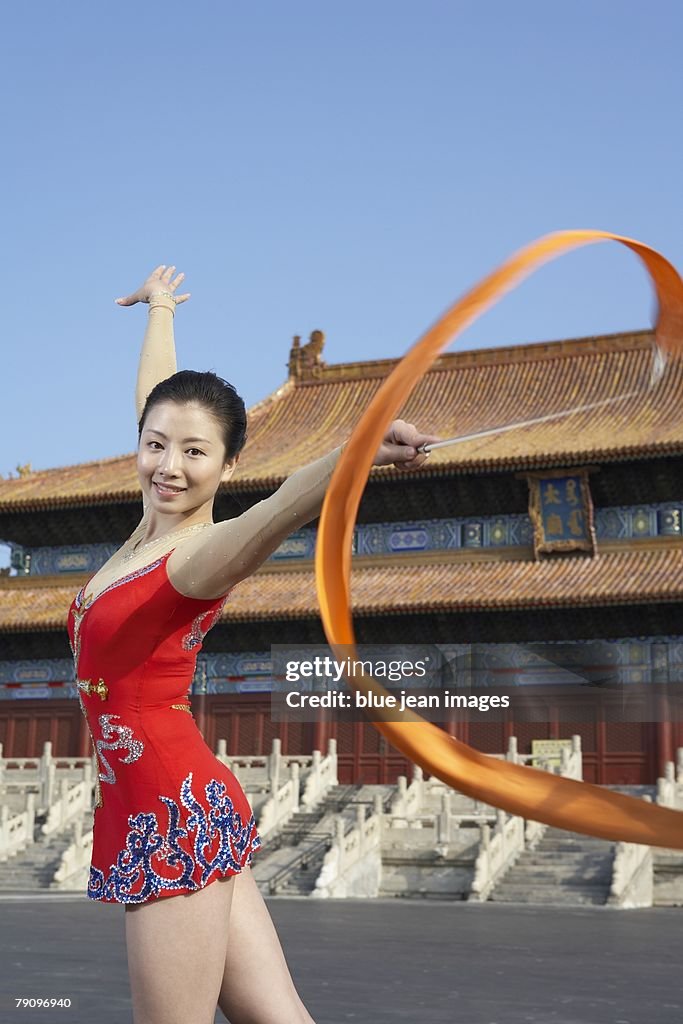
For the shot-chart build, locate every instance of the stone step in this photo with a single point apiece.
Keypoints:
(561, 847)
(301, 888)
(531, 880)
(294, 885)
(558, 897)
(549, 883)
(569, 860)
(34, 868)
(24, 869)
(28, 883)
(540, 856)
(39, 853)
(28, 869)
(430, 859)
(387, 891)
(560, 833)
(674, 867)
(307, 879)
(560, 869)
(573, 837)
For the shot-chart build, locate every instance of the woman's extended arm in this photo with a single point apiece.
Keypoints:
(211, 565)
(157, 357)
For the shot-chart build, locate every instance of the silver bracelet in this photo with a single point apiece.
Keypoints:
(155, 305)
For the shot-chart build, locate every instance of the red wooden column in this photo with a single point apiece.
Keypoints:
(664, 732)
(321, 731)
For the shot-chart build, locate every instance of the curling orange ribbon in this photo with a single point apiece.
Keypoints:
(528, 792)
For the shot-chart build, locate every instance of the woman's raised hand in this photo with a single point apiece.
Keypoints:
(158, 281)
(400, 445)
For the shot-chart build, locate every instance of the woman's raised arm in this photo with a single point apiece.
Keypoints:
(211, 563)
(157, 356)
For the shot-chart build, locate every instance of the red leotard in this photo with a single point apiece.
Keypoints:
(170, 817)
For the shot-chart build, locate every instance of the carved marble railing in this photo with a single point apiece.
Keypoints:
(571, 761)
(279, 807)
(321, 775)
(633, 871)
(71, 804)
(352, 866)
(408, 803)
(498, 850)
(632, 876)
(16, 832)
(41, 775)
(670, 787)
(315, 773)
(74, 866)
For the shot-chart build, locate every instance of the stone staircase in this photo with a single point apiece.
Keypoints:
(427, 874)
(300, 880)
(292, 858)
(564, 869)
(34, 868)
(302, 823)
(668, 877)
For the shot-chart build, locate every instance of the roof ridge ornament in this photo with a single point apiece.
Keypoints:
(304, 360)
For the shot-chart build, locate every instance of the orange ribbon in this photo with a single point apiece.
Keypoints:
(528, 792)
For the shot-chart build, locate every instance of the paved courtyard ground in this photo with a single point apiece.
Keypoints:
(380, 961)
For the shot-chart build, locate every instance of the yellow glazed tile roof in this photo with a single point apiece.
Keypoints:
(610, 579)
(464, 392)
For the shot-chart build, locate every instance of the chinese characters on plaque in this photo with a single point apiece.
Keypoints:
(561, 511)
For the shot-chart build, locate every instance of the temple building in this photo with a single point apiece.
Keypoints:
(565, 531)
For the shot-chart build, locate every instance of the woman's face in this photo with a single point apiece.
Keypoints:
(181, 447)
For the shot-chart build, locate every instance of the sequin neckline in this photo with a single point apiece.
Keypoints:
(119, 582)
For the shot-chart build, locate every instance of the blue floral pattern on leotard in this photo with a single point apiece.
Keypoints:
(146, 849)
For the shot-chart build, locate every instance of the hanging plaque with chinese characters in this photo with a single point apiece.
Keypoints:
(561, 511)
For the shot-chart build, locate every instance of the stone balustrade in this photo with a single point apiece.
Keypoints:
(498, 850)
(74, 867)
(632, 876)
(408, 803)
(42, 785)
(571, 761)
(279, 807)
(321, 774)
(670, 786)
(16, 831)
(71, 803)
(352, 867)
(42, 775)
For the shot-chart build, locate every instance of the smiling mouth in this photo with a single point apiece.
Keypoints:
(168, 490)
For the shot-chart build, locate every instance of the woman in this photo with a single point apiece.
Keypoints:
(170, 819)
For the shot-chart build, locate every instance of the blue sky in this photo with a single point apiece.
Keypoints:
(349, 167)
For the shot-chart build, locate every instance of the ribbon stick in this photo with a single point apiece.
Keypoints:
(525, 791)
(525, 423)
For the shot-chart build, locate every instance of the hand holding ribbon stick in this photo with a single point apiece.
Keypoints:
(404, 446)
(528, 792)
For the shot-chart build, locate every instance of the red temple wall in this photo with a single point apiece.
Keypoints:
(614, 753)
